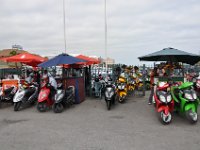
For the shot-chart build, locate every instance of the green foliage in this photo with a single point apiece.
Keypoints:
(12, 53)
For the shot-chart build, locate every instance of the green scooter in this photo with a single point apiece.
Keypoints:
(186, 101)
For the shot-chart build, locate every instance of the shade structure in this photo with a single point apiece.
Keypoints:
(26, 58)
(61, 59)
(173, 55)
(89, 60)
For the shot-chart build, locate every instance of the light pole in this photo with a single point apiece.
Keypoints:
(105, 17)
(64, 25)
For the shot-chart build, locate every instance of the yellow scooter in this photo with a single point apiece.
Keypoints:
(121, 89)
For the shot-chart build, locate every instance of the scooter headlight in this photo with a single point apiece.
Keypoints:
(121, 87)
(43, 95)
(59, 96)
(188, 96)
(162, 98)
(169, 98)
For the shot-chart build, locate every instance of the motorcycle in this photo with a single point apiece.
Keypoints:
(121, 90)
(7, 93)
(27, 94)
(109, 94)
(63, 98)
(186, 101)
(163, 102)
(45, 98)
(139, 84)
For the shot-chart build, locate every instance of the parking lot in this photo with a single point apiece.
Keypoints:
(133, 125)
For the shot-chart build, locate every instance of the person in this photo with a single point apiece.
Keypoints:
(160, 71)
(51, 81)
(37, 77)
(30, 78)
(153, 74)
(45, 74)
(100, 77)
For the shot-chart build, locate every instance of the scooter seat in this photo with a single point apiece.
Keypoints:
(29, 92)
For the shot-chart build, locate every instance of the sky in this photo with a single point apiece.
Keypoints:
(134, 28)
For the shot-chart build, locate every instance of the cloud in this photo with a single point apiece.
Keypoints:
(135, 28)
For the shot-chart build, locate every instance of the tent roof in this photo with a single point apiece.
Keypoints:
(61, 59)
(172, 54)
(89, 60)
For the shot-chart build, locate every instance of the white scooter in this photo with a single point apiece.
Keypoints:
(27, 94)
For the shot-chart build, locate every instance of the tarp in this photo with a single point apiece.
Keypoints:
(61, 59)
(173, 55)
(89, 60)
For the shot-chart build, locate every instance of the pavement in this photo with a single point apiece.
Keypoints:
(133, 125)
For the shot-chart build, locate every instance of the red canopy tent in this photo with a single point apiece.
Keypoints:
(90, 61)
(26, 58)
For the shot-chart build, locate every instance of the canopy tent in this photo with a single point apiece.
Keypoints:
(172, 55)
(89, 60)
(62, 59)
(26, 58)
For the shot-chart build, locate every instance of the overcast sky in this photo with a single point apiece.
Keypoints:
(135, 27)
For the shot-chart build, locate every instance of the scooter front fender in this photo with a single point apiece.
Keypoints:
(191, 106)
(18, 96)
(43, 95)
(164, 108)
(122, 93)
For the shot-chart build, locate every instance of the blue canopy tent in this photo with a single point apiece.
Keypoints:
(61, 59)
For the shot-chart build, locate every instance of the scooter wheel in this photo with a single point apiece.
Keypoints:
(192, 116)
(58, 108)
(165, 119)
(121, 99)
(17, 106)
(108, 103)
(42, 107)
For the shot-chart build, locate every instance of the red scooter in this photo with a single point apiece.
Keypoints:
(196, 81)
(163, 102)
(45, 97)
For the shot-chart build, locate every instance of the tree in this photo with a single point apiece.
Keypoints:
(13, 53)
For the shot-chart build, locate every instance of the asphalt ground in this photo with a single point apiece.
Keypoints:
(133, 125)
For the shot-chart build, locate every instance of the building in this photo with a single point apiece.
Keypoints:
(109, 61)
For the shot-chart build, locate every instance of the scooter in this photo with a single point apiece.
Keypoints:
(163, 102)
(45, 98)
(63, 98)
(109, 94)
(197, 85)
(27, 94)
(7, 94)
(131, 87)
(121, 90)
(186, 101)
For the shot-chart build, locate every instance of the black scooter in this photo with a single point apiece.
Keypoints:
(6, 95)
